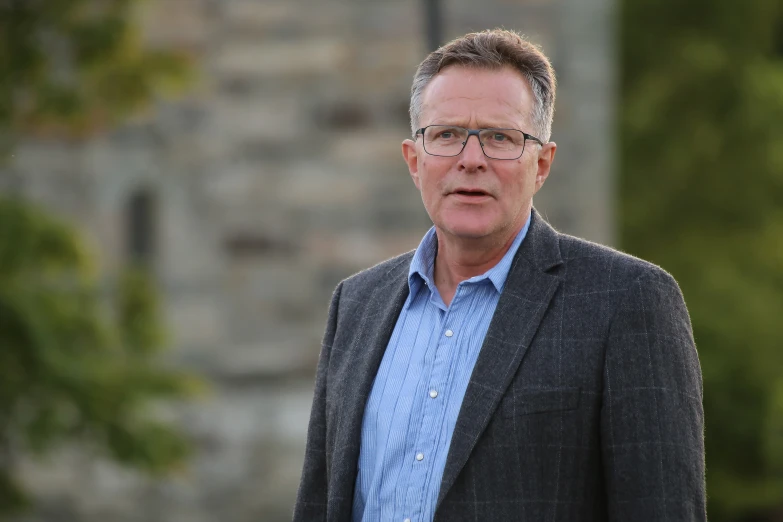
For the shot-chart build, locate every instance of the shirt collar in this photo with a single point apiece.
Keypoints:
(423, 263)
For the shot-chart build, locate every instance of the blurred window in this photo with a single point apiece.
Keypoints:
(141, 226)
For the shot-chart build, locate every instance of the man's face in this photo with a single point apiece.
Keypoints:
(471, 196)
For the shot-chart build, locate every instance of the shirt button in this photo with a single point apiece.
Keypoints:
(433, 393)
(420, 456)
(449, 333)
(407, 520)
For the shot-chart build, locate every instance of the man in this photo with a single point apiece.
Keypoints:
(502, 371)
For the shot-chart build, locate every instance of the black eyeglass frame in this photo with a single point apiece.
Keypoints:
(475, 132)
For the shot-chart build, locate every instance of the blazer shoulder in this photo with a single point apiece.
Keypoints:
(600, 262)
(361, 283)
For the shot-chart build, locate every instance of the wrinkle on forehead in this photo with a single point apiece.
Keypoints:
(456, 106)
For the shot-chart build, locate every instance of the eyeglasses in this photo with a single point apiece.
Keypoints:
(448, 140)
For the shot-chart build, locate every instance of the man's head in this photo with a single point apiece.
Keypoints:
(493, 79)
(493, 50)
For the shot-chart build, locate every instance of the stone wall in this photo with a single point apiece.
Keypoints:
(277, 175)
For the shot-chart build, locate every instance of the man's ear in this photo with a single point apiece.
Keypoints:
(411, 156)
(545, 158)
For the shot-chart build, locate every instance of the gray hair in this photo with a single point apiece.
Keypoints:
(493, 49)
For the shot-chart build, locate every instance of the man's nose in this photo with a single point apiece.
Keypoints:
(472, 155)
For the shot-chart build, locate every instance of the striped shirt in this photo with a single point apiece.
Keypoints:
(416, 397)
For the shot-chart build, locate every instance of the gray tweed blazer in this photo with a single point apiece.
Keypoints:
(585, 403)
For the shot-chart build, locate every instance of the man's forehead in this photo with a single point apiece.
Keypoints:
(504, 91)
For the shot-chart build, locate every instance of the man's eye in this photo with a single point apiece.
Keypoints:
(446, 135)
(499, 137)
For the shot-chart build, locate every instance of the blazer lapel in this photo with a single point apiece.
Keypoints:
(354, 381)
(522, 305)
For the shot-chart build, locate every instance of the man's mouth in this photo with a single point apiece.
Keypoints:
(470, 193)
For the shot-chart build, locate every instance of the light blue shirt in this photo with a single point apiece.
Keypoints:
(416, 397)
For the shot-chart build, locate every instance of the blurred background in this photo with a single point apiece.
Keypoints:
(184, 182)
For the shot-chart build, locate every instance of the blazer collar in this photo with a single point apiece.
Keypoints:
(541, 247)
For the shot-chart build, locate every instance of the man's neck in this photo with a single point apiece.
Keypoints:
(459, 259)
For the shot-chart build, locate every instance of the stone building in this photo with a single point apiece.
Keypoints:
(252, 195)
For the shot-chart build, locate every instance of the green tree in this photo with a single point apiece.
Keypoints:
(76, 66)
(72, 369)
(701, 184)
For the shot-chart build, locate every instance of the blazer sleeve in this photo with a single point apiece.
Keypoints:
(652, 419)
(312, 497)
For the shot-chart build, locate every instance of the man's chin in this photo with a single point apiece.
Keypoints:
(468, 231)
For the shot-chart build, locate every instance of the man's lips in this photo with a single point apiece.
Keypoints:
(470, 195)
(469, 192)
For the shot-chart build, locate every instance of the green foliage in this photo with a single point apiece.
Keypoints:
(75, 365)
(77, 65)
(71, 368)
(702, 195)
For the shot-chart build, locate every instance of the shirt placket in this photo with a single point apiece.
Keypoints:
(433, 411)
